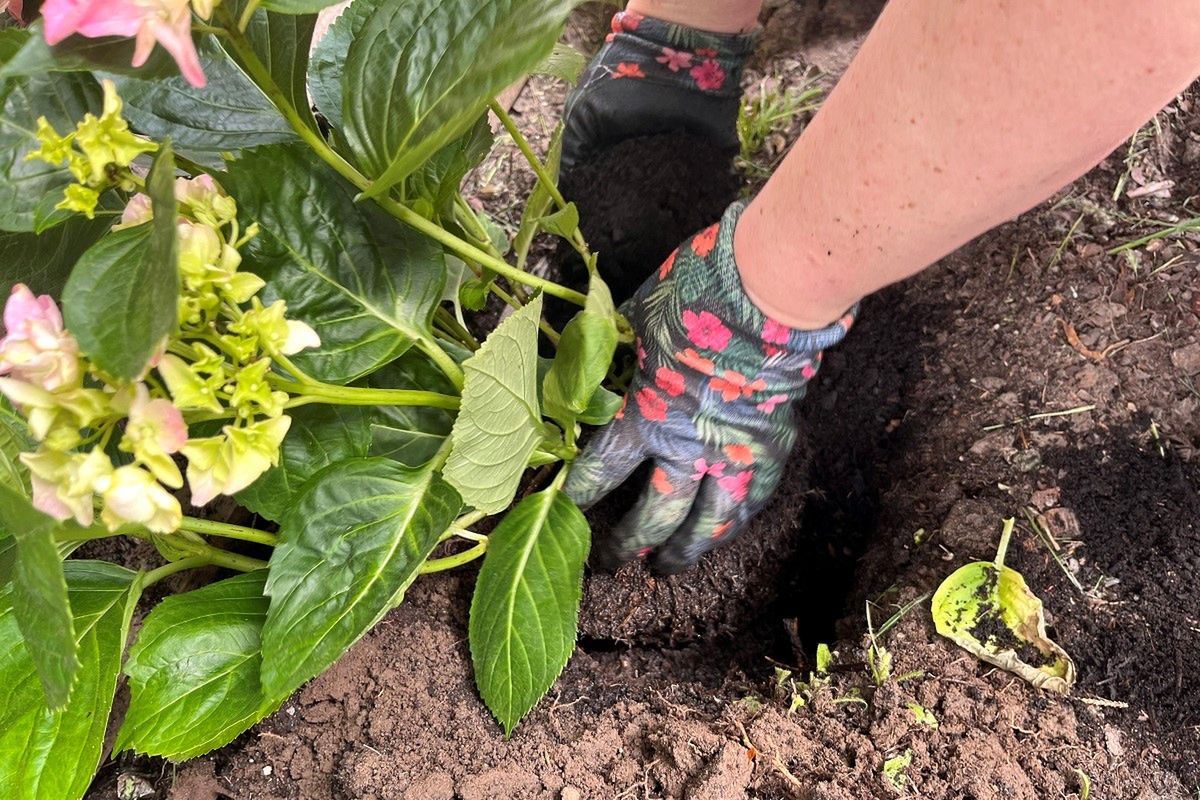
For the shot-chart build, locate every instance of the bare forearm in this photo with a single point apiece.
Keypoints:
(954, 117)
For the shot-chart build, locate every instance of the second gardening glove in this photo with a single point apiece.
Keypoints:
(710, 404)
(653, 76)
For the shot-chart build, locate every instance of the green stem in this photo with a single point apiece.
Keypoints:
(443, 360)
(362, 396)
(244, 22)
(223, 558)
(228, 531)
(170, 568)
(467, 250)
(262, 77)
(539, 169)
(456, 560)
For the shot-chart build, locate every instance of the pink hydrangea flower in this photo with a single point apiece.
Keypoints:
(137, 211)
(131, 495)
(675, 60)
(168, 22)
(737, 485)
(708, 75)
(64, 483)
(706, 330)
(36, 349)
(154, 432)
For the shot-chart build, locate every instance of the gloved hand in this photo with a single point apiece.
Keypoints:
(653, 77)
(711, 404)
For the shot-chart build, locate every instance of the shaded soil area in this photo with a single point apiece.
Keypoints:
(1034, 374)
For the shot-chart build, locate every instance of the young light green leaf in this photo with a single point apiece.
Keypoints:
(39, 595)
(29, 189)
(499, 423)
(584, 354)
(444, 60)
(563, 222)
(281, 39)
(564, 62)
(230, 113)
(194, 671)
(349, 548)
(43, 261)
(319, 435)
(122, 298)
(603, 406)
(525, 610)
(366, 283)
(51, 755)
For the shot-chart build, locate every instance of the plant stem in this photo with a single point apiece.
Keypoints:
(449, 367)
(228, 531)
(467, 250)
(362, 396)
(170, 568)
(262, 77)
(456, 560)
(223, 558)
(576, 239)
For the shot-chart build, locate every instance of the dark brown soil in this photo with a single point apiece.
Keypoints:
(639, 199)
(924, 435)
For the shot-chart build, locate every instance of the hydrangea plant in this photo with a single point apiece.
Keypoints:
(238, 268)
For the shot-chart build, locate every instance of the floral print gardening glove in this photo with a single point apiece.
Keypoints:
(711, 404)
(654, 77)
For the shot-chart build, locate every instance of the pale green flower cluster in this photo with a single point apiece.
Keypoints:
(216, 366)
(98, 154)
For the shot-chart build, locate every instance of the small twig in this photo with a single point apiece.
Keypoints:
(1042, 415)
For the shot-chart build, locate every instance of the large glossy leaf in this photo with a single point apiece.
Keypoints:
(419, 72)
(320, 435)
(39, 595)
(364, 281)
(29, 190)
(282, 41)
(525, 610)
(194, 671)
(43, 261)
(349, 548)
(499, 423)
(229, 114)
(122, 298)
(48, 755)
